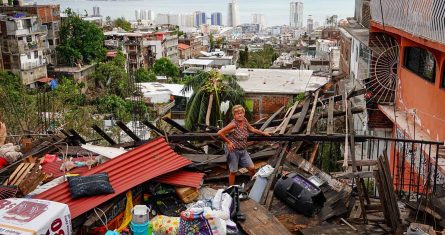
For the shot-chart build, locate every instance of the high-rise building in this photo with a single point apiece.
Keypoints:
(96, 11)
(216, 18)
(310, 24)
(137, 14)
(169, 19)
(187, 20)
(259, 19)
(296, 15)
(233, 14)
(200, 18)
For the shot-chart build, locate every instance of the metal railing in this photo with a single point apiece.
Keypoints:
(414, 167)
(423, 18)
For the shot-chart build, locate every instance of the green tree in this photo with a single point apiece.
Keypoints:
(112, 76)
(262, 59)
(108, 21)
(120, 108)
(210, 89)
(178, 32)
(18, 107)
(244, 56)
(80, 41)
(165, 67)
(145, 75)
(122, 23)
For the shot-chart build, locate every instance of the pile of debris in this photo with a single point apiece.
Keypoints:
(180, 179)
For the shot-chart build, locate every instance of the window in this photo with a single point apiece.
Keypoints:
(29, 38)
(29, 55)
(51, 42)
(420, 62)
(36, 54)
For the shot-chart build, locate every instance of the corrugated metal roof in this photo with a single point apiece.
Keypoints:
(132, 168)
(182, 178)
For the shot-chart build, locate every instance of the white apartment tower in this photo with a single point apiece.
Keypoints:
(232, 14)
(296, 15)
(310, 24)
(259, 19)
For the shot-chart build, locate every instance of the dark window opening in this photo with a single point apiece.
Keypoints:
(420, 62)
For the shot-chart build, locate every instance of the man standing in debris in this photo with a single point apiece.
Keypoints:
(235, 135)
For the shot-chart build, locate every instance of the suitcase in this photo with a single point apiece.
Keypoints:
(300, 194)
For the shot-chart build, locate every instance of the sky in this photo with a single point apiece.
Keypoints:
(275, 11)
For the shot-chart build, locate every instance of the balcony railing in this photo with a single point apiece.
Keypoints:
(422, 18)
(31, 65)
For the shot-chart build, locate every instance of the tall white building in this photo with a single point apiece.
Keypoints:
(310, 24)
(259, 19)
(233, 14)
(144, 14)
(96, 11)
(296, 15)
(187, 20)
(137, 14)
(170, 19)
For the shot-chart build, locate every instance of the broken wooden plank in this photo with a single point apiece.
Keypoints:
(313, 153)
(360, 163)
(303, 113)
(260, 221)
(103, 134)
(330, 123)
(271, 118)
(311, 116)
(77, 136)
(359, 174)
(128, 131)
(153, 127)
(324, 114)
(287, 118)
(175, 125)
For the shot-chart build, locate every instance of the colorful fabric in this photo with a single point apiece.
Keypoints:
(239, 135)
(193, 222)
(165, 225)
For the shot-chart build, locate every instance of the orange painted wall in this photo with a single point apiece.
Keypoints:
(415, 92)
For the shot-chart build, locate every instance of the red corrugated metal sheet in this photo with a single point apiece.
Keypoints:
(182, 178)
(132, 168)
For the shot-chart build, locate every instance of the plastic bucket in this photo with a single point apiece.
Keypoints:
(140, 229)
(140, 214)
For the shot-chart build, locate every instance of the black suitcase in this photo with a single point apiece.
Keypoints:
(300, 194)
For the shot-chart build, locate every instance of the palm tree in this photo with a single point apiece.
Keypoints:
(210, 89)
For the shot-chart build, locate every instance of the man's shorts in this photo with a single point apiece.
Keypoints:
(238, 157)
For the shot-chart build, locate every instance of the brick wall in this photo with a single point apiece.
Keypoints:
(265, 105)
(376, 119)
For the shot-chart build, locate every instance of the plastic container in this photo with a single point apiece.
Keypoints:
(140, 214)
(141, 229)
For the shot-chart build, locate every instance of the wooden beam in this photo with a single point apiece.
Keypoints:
(175, 125)
(271, 118)
(103, 134)
(330, 124)
(311, 116)
(259, 221)
(128, 131)
(303, 113)
(77, 136)
(153, 127)
(313, 153)
(287, 118)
